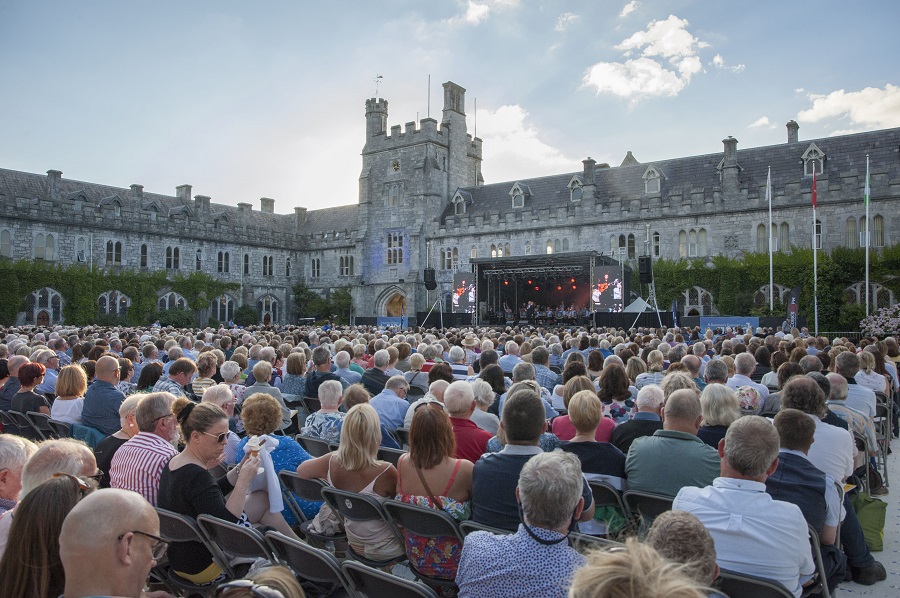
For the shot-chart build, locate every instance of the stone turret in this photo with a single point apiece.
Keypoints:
(793, 131)
(730, 168)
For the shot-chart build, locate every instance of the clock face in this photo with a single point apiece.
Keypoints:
(395, 165)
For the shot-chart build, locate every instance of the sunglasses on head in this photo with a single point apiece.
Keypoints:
(82, 484)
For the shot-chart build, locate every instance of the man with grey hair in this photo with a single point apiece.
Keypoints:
(522, 372)
(458, 365)
(810, 363)
(857, 422)
(375, 378)
(536, 560)
(510, 357)
(753, 533)
(645, 421)
(321, 371)
(858, 397)
(342, 361)
(547, 378)
(716, 372)
(693, 364)
(139, 462)
(744, 365)
(471, 441)
(12, 386)
(673, 457)
(391, 404)
(435, 394)
(326, 422)
(14, 453)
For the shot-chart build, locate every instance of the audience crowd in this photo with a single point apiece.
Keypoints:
(759, 441)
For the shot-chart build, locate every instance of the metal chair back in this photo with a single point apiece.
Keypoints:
(308, 562)
(235, 541)
(742, 585)
(316, 447)
(648, 505)
(61, 429)
(373, 583)
(41, 422)
(390, 455)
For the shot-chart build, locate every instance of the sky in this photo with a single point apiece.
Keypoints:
(245, 100)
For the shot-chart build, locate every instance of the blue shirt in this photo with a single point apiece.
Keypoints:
(546, 377)
(101, 407)
(48, 386)
(391, 408)
(516, 565)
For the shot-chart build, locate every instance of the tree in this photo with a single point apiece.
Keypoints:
(309, 304)
(342, 301)
(246, 315)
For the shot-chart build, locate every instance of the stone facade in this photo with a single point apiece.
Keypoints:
(423, 202)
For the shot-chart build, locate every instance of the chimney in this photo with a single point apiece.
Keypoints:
(201, 204)
(267, 205)
(137, 192)
(244, 210)
(588, 189)
(730, 168)
(299, 217)
(183, 192)
(54, 176)
(793, 131)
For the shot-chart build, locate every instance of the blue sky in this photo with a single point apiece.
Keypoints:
(245, 100)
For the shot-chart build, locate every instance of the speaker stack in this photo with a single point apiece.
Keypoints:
(645, 268)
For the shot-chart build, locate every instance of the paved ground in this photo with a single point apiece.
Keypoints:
(890, 556)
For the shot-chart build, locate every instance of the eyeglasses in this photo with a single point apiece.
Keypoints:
(158, 549)
(246, 584)
(220, 438)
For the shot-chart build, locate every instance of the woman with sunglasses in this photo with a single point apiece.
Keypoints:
(187, 488)
(31, 565)
(30, 376)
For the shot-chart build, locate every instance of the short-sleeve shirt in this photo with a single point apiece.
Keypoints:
(101, 407)
(138, 463)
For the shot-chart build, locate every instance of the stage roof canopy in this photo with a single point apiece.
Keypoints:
(569, 263)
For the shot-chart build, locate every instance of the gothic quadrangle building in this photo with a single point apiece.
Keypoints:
(423, 202)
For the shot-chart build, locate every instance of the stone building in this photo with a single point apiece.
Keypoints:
(423, 202)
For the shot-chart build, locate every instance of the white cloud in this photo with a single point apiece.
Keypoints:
(565, 20)
(719, 63)
(628, 9)
(760, 122)
(477, 12)
(513, 148)
(799, 90)
(662, 42)
(869, 108)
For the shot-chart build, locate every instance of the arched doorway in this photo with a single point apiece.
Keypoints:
(395, 307)
(43, 318)
(267, 319)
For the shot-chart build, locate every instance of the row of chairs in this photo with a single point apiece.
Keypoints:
(317, 447)
(34, 425)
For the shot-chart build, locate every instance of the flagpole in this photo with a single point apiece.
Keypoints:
(866, 195)
(815, 259)
(771, 268)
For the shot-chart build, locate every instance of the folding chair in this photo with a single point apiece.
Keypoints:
(61, 429)
(743, 585)
(26, 428)
(374, 583)
(41, 423)
(426, 522)
(235, 541)
(403, 437)
(312, 404)
(390, 455)
(882, 422)
(181, 528)
(9, 424)
(585, 543)
(467, 527)
(308, 562)
(314, 446)
(647, 505)
(307, 490)
(358, 507)
(605, 495)
(820, 587)
(862, 446)
(415, 391)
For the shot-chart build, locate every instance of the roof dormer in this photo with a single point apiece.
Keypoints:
(460, 200)
(519, 193)
(576, 188)
(653, 178)
(813, 160)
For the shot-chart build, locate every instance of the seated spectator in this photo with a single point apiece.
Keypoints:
(326, 422)
(720, 408)
(471, 441)
(220, 394)
(71, 385)
(416, 376)
(693, 365)
(231, 374)
(263, 372)
(126, 372)
(106, 448)
(430, 466)
(495, 474)
(680, 537)
(637, 571)
(150, 375)
(484, 399)
(108, 544)
(673, 457)
(536, 560)
(180, 373)
(375, 379)
(261, 417)
(798, 481)
(27, 399)
(50, 360)
(654, 373)
(857, 422)
(342, 361)
(868, 377)
(12, 385)
(754, 533)
(14, 453)
(645, 421)
(206, 369)
(390, 404)
(31, 565)
(524, 372)
(321, 359)
(294, 380)
(355, 467)
(615, 393)
(435, 394)
(138, 463)
(356, 395)
(277, 578)
(858, 396)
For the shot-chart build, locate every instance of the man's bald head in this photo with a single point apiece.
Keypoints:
(107, 369)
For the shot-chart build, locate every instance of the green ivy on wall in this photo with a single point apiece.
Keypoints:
(80, 289)
(734, 282)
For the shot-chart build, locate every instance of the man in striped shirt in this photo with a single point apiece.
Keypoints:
(139, 462)
(181, 372)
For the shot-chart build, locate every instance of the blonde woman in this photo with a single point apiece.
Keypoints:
(71, 384)
(107, 447)
(354, 467)
(720, 407)
(654, 373)
(866, 376)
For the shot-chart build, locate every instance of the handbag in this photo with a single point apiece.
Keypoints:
(871, 513)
